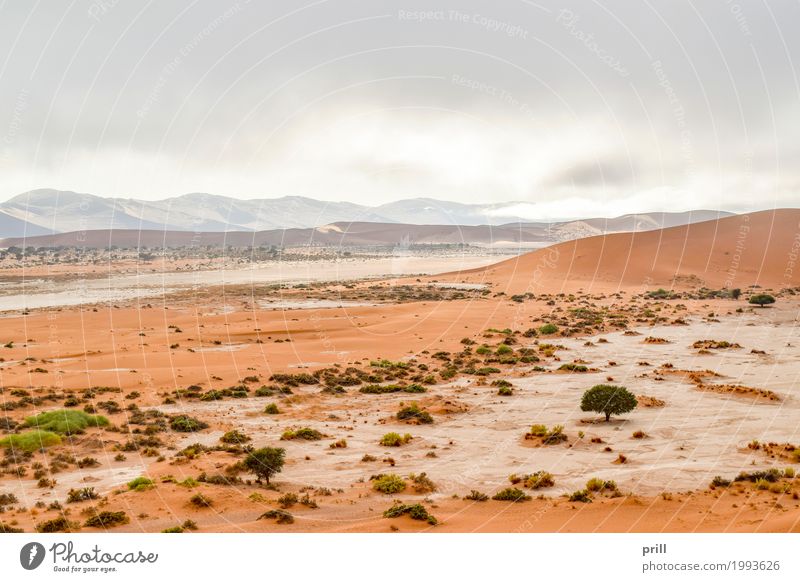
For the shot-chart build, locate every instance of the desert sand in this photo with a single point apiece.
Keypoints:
(706, 408)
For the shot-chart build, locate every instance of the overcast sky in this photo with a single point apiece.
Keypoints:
(570, 108)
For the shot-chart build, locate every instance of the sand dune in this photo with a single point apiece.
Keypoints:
(760, 248)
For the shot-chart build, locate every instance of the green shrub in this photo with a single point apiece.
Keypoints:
(422, 483)
(58, 524)
(415, 413)
(538, 430)
(308, 434)
(141, 484)
(388, 483)
(5, 528)
(582, 496)
(390, 388)
(83, 494)
(287, 500)
(539, 480)
(596, 484)
(31, 440)
(185, 423)
(503, 350)
(720, 482)
(476, 496)
(65, 422)
(281, 516)
(608, 400)
(511, 494)
(272, 408)
(234, 437)
(548, 329)
(415, 511)
(200, 500)
(106, 519)
(573, 368)
(265, 462)
(393, 439)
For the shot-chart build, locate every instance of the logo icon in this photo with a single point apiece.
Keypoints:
(31, 555)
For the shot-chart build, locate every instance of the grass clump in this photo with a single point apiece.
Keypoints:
(271, 408)
(581, 496)
(65, 422)
(58, 524)
(414, 511)
(539, 480)
(141, 484)
(106, 519)
(476, 496)
(186, 423)
(279, 515)
(388, 483)
(393, 439)
(234, 437)
(414, 413)
(548, 329)
(30, 441)
(200, 500)
(595, 484)
(511, 494)
(83, 494)
(307, 434)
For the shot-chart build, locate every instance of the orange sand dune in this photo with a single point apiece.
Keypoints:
(760, 248)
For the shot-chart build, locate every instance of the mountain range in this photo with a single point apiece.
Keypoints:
(47, 211)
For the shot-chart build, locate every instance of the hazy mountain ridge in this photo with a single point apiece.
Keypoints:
(48, 211)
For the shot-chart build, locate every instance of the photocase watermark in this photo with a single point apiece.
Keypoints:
(679, 113)
(474, 18)
(65, 558)
(741, 240)
(739, 17)
(101, 8)
(169, 69)
(15, 125)
(487, 89)
(569, 20)
(793, 256)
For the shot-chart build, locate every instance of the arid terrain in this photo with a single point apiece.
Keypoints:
(439, 402)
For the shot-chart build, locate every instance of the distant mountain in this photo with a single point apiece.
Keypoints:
(343, 234)
(54, 211)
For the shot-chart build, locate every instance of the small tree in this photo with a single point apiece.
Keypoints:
(264, 463)
(736, 293)
(608, 400)
(762, 299)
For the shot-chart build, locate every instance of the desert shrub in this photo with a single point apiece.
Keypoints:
(505, 391)
(82, 494)
(5, 528)
(502, 383)
(511, 494)
(340, 444)
(555, 435)
(234, 437)
(367, 458)
(65, 422)
(639, 434)
(770, 476)
(31, 440)
(388, 483)
(608, 400)
(7, 499)
(141, 484)
(761, 299)
(476, 496)
(720, 482)
(486, 370)
(538, 430)
(415, 413)
(279, 515)
(414, 511)
(307, 434)
(287, 500)
(271, 408)
(596, 484)
(58, 524)
(106, 519)
(582, 496)
(539, 480)
(422, 483)
(503, 350)
(200, 500)
(393, 439)
(390, 388)
(185, 423)
(265, 462)
(548, 329)
(570, 367)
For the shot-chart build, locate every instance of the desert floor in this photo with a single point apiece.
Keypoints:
(704, 410)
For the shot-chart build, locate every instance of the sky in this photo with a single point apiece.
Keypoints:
(560, 109)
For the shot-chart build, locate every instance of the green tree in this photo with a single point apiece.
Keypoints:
(608, 400)
(264, 463)
(761, 299)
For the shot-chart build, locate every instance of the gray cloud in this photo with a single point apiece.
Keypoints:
(374, 101)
